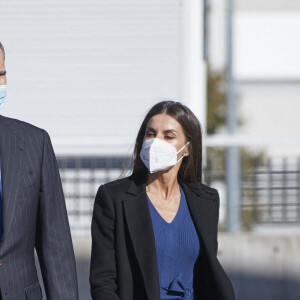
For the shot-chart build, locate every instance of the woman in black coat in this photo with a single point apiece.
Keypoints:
(154, 234)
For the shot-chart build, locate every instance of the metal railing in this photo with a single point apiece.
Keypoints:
(270, 192)
(81, 178)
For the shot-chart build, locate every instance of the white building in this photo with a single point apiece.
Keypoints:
(88, 71)
(266, 65)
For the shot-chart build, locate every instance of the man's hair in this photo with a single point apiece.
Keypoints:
(2, 49)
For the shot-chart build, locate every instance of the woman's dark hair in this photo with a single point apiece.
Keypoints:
(191, 166)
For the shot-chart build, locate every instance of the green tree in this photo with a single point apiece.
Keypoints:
(215, 157)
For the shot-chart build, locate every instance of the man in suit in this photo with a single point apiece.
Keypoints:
(32, 213)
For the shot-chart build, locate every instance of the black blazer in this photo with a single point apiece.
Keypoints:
(124, 263)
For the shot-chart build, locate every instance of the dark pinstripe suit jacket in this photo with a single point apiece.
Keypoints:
(34, 217)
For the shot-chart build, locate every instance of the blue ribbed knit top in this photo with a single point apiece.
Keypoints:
(177, 249)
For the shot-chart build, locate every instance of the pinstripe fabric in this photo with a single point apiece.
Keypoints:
(34, 217)
(1, 220)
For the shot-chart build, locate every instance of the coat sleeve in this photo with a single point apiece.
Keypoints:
(225, 290)
(216, 224)
(53, 238)
(103, 262)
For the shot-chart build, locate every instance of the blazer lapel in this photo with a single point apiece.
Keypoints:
(140, 228)
(11, 157)
(200, 203)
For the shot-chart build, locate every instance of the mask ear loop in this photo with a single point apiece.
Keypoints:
(182, 147)
(181, 150)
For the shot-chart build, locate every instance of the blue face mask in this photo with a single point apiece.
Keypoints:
(2, 94)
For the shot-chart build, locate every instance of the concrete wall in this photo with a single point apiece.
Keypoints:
(261, 267)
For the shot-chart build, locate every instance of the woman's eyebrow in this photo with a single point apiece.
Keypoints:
(150, 128)
(170, 131)
(165, 131)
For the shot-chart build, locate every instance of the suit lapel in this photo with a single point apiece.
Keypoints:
(11, 157)
(140, 228)
(200, 204)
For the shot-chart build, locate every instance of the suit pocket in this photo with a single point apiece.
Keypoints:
(33, 292)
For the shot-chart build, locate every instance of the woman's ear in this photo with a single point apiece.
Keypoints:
(186, 151)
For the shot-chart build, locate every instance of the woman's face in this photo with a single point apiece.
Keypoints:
(166, 128)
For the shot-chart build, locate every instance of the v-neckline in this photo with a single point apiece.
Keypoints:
(160, 216)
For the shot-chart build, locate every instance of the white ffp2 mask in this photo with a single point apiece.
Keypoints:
(158, 155)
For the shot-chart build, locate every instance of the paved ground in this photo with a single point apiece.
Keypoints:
(261, 267)
(82, 248)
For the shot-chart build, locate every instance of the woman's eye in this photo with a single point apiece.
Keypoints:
(169, 137)
(149, 134)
